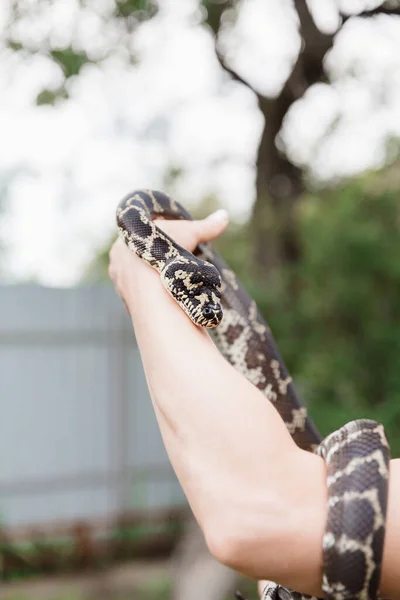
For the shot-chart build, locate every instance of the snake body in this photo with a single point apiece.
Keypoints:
(356, 456)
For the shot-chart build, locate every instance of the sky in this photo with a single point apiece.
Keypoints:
(64, 168)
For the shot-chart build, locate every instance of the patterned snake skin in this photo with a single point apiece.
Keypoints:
(357, 455)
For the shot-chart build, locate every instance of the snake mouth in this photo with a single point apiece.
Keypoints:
(203, 311)
(209, 316)
(208, 324)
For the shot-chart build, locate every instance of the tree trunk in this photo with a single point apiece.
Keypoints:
(279, 183)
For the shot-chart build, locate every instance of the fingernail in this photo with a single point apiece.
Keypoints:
(219, 216)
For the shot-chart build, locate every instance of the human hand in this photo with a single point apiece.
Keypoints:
(188, 234)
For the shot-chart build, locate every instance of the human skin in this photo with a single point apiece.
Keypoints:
(259, 499)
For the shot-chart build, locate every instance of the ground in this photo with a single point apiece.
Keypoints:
(133, 581)
(138, 581)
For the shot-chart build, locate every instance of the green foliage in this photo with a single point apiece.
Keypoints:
(336, 315)
(214, 11)
(139, 9)
(15, 46)
(70, 61)
(51, 97)
(73, 54)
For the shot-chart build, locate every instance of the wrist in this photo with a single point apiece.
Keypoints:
(139, 282)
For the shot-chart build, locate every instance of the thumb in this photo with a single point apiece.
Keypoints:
(213, 225)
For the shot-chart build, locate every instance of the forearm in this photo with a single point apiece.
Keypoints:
(246, 481)
(230, 449)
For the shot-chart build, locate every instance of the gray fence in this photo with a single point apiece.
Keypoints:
(78, 437)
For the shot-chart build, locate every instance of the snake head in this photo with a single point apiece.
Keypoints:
(196, 285)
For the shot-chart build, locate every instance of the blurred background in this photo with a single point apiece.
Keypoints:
(284, 112)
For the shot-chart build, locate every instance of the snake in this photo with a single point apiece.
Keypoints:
(356, 455)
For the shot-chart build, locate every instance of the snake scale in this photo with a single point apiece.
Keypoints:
(356, 456)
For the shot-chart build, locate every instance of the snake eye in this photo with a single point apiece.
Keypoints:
(191, 294)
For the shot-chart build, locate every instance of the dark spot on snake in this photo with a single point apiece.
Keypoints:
(283, 593)
(165, 201)
(251, 361)
(233, 332)
(144, 195)
(377, 547)
(377, 542)
(159, 248)
(131, 221)
(374, 583)
(340, 569)
(356, 528)
(144, 229)
(252, 357)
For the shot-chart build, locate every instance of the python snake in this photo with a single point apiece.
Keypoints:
(356, 456)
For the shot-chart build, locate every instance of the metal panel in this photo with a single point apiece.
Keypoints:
(78, 437)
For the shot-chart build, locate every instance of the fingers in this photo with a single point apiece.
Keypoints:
(119, 254)
(120, 267)
(182, 232)
(191, 233)
(212, 226)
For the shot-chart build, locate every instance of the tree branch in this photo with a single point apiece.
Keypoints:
(387, 8)
(235, 76)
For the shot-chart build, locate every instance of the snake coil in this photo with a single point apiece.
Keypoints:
(356, 456)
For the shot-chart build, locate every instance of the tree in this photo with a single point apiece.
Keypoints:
(279, 182)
